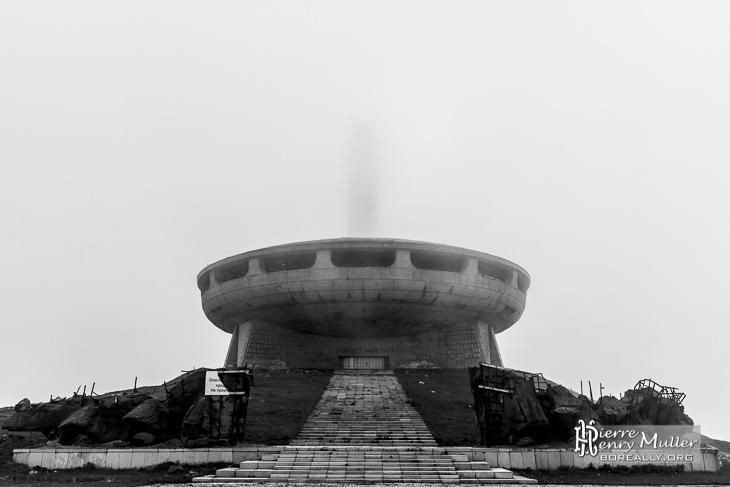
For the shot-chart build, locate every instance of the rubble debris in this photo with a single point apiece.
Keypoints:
(177, 411)
(152, 416)
(44, 417)
(144, 439)
(651, 403)
(100, 419)
(611, 411)
(505, 406)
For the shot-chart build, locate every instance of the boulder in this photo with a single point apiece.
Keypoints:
(44, 417)
(23, 404)
(183, 392)
(643, 411)
(151, 417)
(100, 419)
(566, 413)
(88, 422)
(524, 413)
(171, 444)
(556, 390)
(611, 411)
(646, 406)
(144, 439)
(213, 419)
(507, 417)
(525, 441)
(671, 413)
(175, 469)
(116, 444)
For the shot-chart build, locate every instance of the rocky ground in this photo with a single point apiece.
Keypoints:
(443, 400)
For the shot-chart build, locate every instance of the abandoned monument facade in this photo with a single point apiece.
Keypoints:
(361, 303)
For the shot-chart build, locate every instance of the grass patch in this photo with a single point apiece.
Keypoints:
(280, 403)
(624, 475)
(443, 399)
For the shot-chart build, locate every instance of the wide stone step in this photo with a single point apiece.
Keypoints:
(327, 460)
(214, 479)
(395, 459)
(354, 465)
(355, 428)
(362, 443)
(384, 427)
(401, 431)
(364, 427)
(514, 480)
(368, 438)
(365, 465)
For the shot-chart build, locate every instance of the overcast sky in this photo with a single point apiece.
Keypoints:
(587, 142)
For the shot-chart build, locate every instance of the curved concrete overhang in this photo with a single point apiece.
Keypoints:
(363, 287)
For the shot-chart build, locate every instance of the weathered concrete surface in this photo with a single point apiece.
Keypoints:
(272, 346)
(374, 301)
(410, 302)
(546, 459)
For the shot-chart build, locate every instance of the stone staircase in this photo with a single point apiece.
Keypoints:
(363, 430)
(363, 409)
(365, 465)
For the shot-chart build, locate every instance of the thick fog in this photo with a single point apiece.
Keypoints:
(586, 142)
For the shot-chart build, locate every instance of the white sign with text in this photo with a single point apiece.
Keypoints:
(213, 385)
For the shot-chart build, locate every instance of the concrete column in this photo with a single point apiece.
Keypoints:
(239, 344)
(482, 331)
(495, 358)
(213, 280)
(472, 266)
(323, 260)
(232, 355)
(515, 278)
(255, 267)
(402, 258)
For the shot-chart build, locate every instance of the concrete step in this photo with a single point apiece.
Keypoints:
(338, 464)
(514, 480)
(363, 443)
(213, 479)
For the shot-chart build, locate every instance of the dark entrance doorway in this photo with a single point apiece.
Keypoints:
(362, 363)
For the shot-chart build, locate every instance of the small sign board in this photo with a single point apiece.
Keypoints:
(213, 385)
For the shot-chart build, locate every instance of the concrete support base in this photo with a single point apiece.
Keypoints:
(275, 347)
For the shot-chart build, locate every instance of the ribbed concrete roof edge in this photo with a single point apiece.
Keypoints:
(361, 242)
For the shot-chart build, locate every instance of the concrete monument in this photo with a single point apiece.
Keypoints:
(363, 303)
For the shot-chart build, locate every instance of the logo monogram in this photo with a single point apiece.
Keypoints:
(585, 437)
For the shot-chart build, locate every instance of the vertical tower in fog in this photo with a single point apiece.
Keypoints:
(363, 302)
(363, 187)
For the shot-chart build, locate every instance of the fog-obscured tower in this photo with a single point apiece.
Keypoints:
(363, 182)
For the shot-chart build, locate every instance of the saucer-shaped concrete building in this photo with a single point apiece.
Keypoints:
(363, 303)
